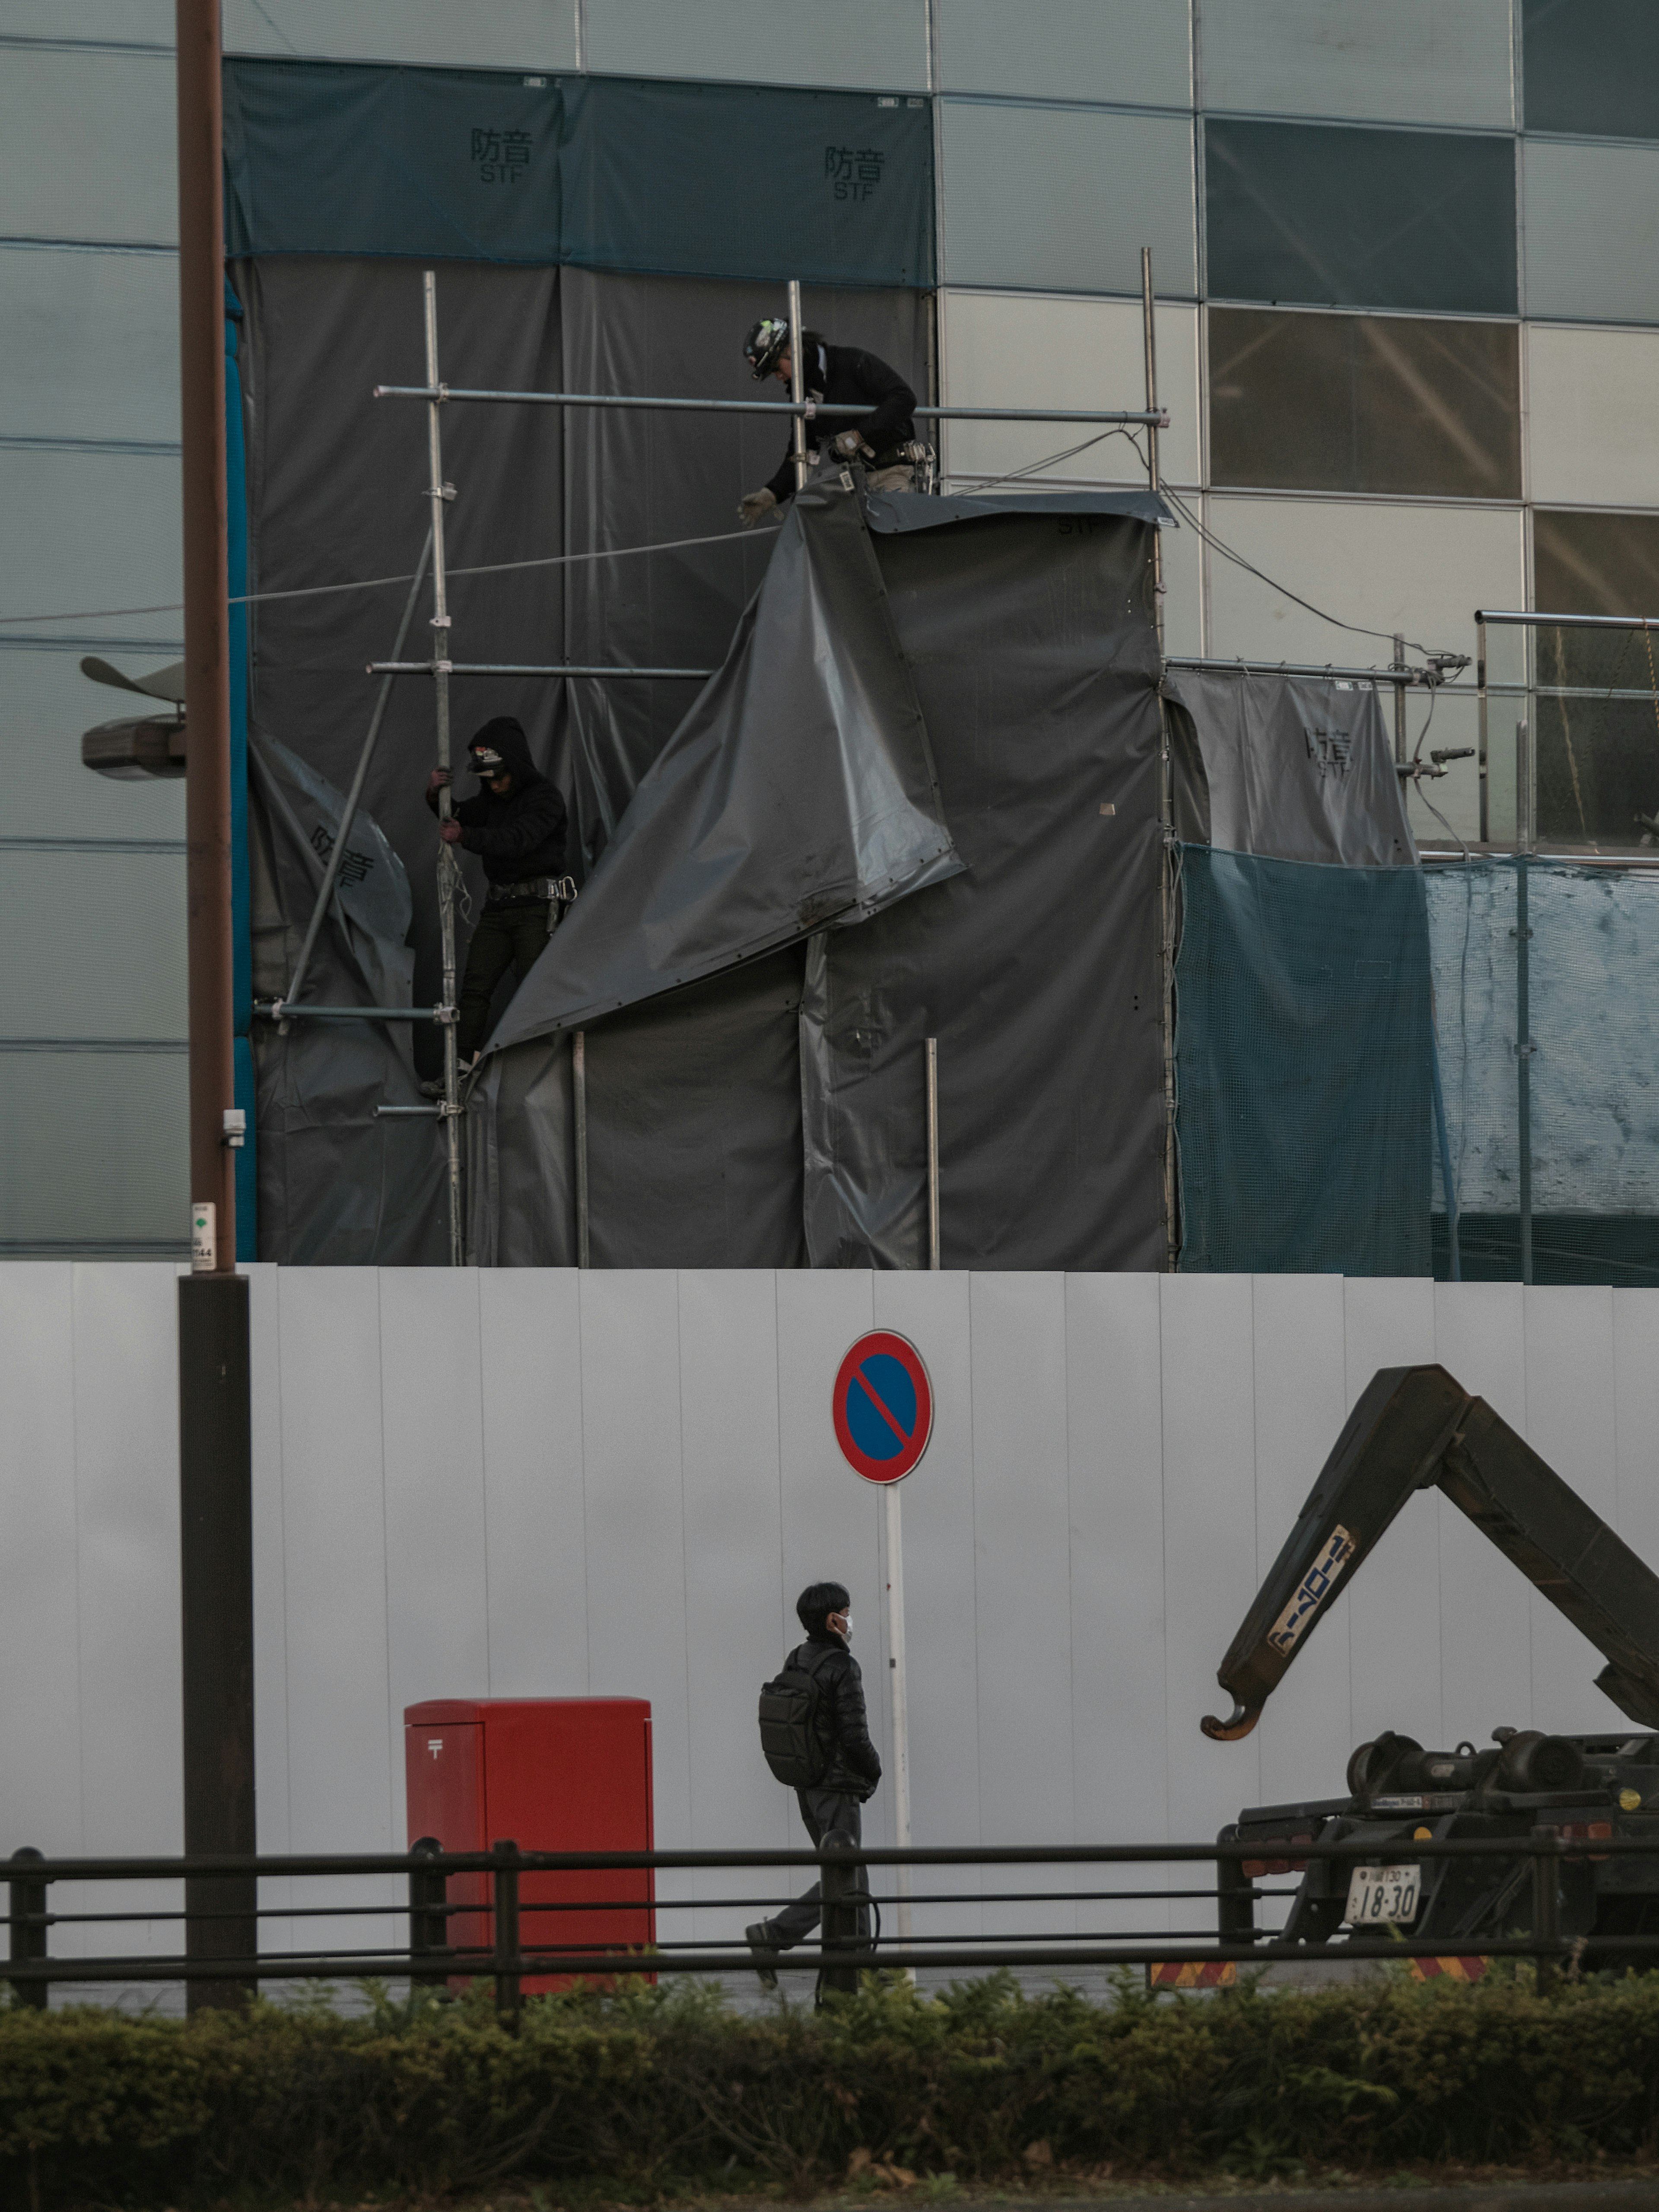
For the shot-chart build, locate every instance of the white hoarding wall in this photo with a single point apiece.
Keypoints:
(545, 1484)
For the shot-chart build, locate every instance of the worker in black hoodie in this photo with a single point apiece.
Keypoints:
(834, 1805)
(516, 825)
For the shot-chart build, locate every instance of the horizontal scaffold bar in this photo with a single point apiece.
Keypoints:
(279, 1010)
(1329, 670)
(1157, 418)
(525, 668)
(1568, 622)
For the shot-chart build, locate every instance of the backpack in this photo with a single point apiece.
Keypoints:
(792, 1729)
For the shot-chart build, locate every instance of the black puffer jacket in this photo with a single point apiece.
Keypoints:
(848, 377)
(854, 1766)
(520, 833)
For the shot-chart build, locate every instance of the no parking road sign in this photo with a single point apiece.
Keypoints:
(883, 1407)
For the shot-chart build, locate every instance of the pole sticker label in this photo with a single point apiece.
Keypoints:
(883, 1406)
(1316, 1586)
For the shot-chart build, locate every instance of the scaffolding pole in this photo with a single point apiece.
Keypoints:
(1166, 886)
(438, 492)
(391, 668)
(797, 388)
(442, 393)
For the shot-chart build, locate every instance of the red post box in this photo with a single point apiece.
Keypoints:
(550, 1774)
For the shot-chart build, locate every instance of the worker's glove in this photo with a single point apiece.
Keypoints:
(438, 779)
(754, 504)
(850, 445)
(450, 832)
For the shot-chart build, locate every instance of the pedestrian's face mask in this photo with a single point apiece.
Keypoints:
(846, 1621)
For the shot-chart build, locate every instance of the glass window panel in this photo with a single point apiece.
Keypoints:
(1137, 53)
(1062, 199)
(1598, 759)
(1589, 231)
(858, 42)
(1364, 403)
(1412, 61)
(1330, 216)
(1591, 66)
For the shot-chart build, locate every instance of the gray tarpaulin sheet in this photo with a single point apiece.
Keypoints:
(334, 488)
(1289, 768)
(693, 1144)
(337, 1186)
(800, 792)
(1031, 639)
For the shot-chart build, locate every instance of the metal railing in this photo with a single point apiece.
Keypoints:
(487, 1914)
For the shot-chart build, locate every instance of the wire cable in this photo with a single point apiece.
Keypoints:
(378, 583)
(1053, 460)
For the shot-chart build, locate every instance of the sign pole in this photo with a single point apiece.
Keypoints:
(892, 1507)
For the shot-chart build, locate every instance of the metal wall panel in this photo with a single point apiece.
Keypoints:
(1115, 1447)
(1010, 349)
(861, 42)
(1208, 1376)
(1394, 1608)
(1022, 1644)
(97, 942)
(1589, 230)
(93, 1153)
(1297, 1326)
(1331, 215)
(510, 34)
(1485, 1638)
(1592, 432)
(1062, 199)
(1591, 67)
(529, 1321)
(1134, 53)
(85, 531)
(1636, 1407)
(1414, 61)
(90, 144)
(89, 344)
(39, 1561)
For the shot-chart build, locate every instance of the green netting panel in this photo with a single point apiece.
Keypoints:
(1304, 1066)
(1583, 1189)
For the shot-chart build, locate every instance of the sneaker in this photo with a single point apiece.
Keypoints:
(764, 1952)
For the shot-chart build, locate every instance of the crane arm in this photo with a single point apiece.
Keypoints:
(1413, 1427)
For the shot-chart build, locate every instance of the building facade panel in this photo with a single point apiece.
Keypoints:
(1364, 403)
(861, 42)
(1062, 199)
(1015, 349)
(130, 906)
(1591, 67)
(1591, 227)
(89, 144)
(1129, 52)
(1592, 425)
(1414, 61)
(96, 1152)
(107, 324)
(1319, 214)
(527, 34)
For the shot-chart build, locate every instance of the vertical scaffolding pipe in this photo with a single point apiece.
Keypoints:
(1165, 795)
(440, 660)
(796, 389)
(215, 1436)
(1523, 994)
(1480, 738)
(933, 1152)
(579, 1118)
(1399, 698)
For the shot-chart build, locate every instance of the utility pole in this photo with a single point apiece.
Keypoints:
(214, 1455)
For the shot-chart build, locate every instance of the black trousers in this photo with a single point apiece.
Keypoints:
(506, 937)
(822, 1810)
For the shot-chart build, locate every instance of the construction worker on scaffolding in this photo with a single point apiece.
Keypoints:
(837, 377)
(515, 823)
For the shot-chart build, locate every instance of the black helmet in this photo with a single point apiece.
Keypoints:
(765, 345)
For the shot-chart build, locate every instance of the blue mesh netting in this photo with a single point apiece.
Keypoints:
(1303, 1066)
(1592, 1019)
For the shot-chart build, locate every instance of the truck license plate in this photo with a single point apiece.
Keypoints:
(1383, 1895)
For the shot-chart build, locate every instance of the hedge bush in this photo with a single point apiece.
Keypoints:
(653, 2090)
